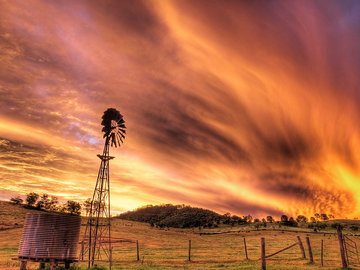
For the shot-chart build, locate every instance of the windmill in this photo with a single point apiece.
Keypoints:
(97, 238)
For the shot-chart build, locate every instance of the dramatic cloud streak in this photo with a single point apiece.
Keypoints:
(248, 107)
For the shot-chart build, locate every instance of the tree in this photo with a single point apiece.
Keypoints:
(248, 218)
(87, 205)
(284, 218)
(324, 217)
(301, 219)
(72, 207)
(43, 202)
(52, 204)
(31, 199)
(292, 222)
(270, 219)
(226, 218)
(317, 216)
(263, 222)
(313, 220)
(16, 200)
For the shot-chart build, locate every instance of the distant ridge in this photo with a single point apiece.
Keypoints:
(177, 216)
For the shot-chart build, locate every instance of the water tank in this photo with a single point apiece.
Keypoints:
(50, 237)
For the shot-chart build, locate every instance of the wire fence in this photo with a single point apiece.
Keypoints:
(280, 248)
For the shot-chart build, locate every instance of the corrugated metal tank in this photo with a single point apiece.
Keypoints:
(50, 236)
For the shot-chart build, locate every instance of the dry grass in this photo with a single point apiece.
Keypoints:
(168, 249)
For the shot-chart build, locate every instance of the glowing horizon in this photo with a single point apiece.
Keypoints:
(245, 107)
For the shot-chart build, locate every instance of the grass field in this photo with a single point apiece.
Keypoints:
(168, 249)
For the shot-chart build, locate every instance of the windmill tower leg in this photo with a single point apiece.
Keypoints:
(97, 233)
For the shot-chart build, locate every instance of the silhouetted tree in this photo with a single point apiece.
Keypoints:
(284, 218)
(52, 204)
(72, 207)
(263, 222)
(301, 219)
(312, 220)
(270, 219)
(87, 206)
(248, 218)
(226, 218)
(292, 222)
(16, 200)
(324, 217)
(31, 199)
(43, 202)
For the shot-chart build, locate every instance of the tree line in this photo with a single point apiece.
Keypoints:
(168, 215)
(50, 203)
(181, 216)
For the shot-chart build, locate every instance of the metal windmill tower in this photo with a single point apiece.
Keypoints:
(97, 239)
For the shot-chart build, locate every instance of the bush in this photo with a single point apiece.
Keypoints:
(17, 200)
(337, 225)
(31, 199)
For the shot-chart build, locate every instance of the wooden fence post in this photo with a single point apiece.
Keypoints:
(322, 252)
(245, 247)
(137, 251)
(301, 247)
(263, 259)
(82, 250)
(110, 257)
(342, 248)
(310, 250)
(189, 251)
(23, 265)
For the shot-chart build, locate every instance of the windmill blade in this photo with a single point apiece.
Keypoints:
(113, 139)
(118, 140)
(115, 134)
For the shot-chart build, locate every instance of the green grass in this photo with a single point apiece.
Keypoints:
(168, 249)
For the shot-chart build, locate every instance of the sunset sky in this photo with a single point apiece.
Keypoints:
(247, 107)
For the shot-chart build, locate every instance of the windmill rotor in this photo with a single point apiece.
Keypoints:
(113, 127)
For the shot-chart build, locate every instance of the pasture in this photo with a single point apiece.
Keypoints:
(220, 248)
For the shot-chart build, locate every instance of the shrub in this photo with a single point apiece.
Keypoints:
(17, 200)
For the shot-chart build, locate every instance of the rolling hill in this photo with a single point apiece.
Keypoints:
(176, 216)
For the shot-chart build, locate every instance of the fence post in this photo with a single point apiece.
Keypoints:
(245, 247)
(357, 254)
(263, 259)
(342, 248)
(301, 247)
(137, 251)
(82, 250)
(189, 251)
(322, 252)
(23, 265)
(310, 250)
